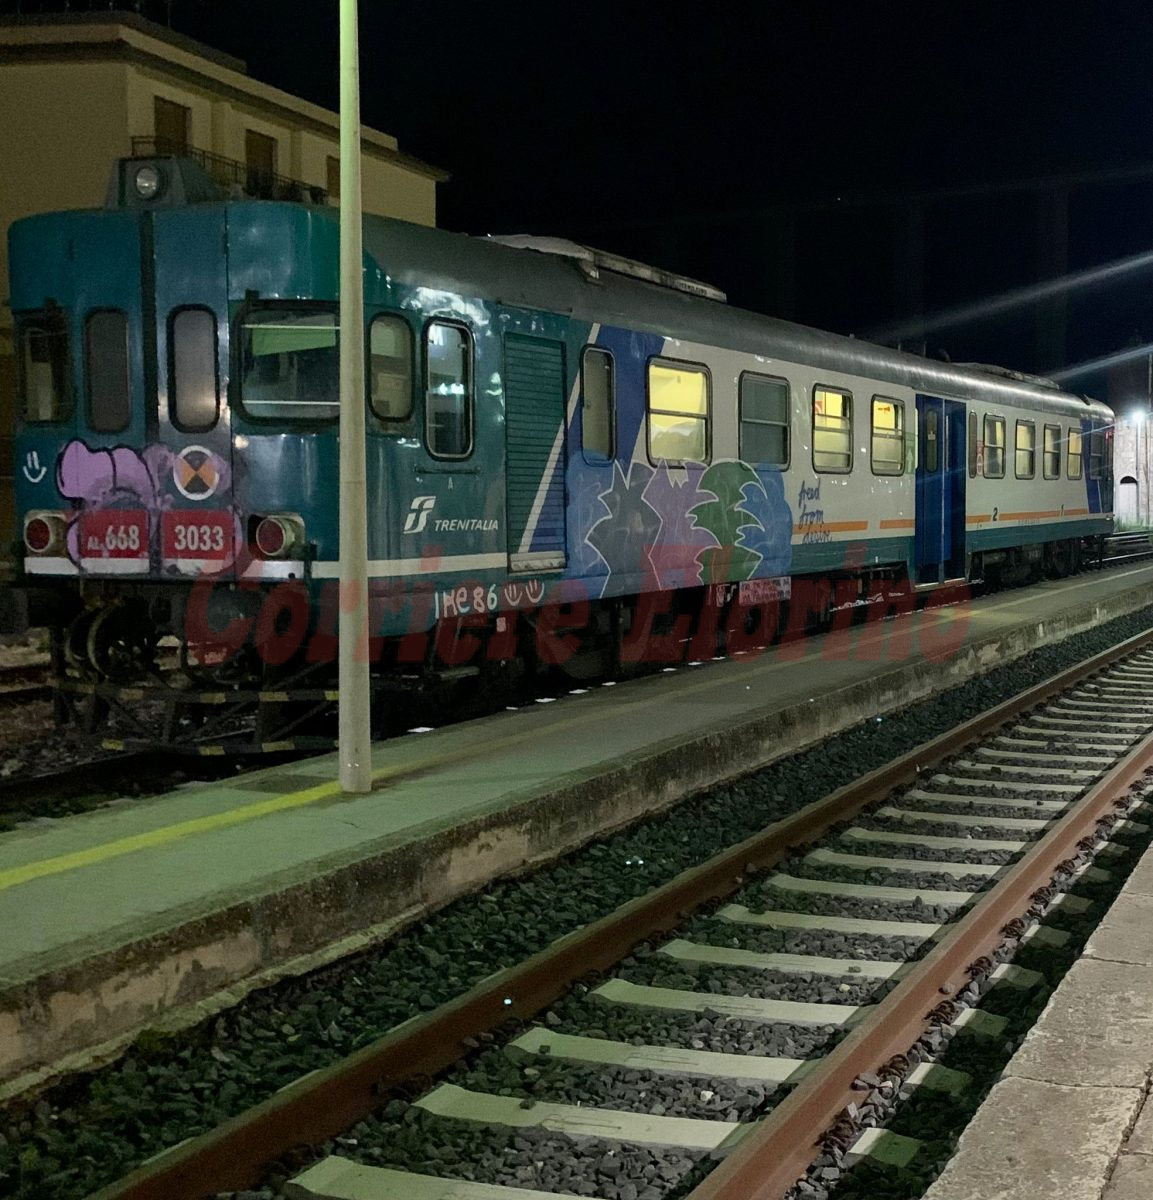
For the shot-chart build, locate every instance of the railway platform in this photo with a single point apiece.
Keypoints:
(157, 910)
(1070, 1118)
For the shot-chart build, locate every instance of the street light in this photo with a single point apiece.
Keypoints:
(355, 730)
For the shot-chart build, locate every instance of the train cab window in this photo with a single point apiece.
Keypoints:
(193, 389)
(106, 368)
(974, 456)
(888, 436)
(764, 418)
(289, 364)
(42, 349)
(1025, 450)
(390, 347)
(1051, 452)
(678, 412)
(448, 391)
(832, 430)
(1096, 454)
(1074, 458)
(598, 405)
(994, 447)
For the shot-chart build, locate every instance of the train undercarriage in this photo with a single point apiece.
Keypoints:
(143, 668)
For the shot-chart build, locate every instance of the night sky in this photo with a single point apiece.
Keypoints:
(716, 140)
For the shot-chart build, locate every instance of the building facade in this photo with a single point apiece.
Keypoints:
(78, 92)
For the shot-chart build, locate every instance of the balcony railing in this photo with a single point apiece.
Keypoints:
(233, 176)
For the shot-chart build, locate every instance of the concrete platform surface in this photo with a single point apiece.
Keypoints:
(112, 919)
(1070, 1118)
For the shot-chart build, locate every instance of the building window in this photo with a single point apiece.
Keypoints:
(888, 436)
(390, 346)
(172, 124)
(994, 447)
(832, 430)
(260, 158)
(289, 364)
(1051, 452)
(598, 405)
(193, 396)
(448, 391)
(1025, 450)
(1074, 456)
(678, 412)
(973, 439)
(42, 347)
(332, 177)
(764, 418)
(1096, 454)
(106, 368)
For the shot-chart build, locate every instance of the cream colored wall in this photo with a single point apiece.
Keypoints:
(58, 153)
(394, 192)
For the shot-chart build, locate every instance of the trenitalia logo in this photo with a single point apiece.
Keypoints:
(418, 512)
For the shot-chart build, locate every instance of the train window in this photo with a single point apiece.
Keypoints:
(932, 441)
(832, 430)
(1096, 454)
(1025, 450)
(1075, 455)
(106, 367)
(888, 436)
(193, 389)
(42, 347)
(1051, 452)
(994, 447)
(289, 364)
(764, 417)
(974, 448)
(448, 391)
(390, 367)
(598, 405)
(678, 412)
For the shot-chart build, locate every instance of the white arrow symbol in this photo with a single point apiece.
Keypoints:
(33, 471)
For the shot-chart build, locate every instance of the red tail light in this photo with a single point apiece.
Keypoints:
(44, 533)
(278, 536)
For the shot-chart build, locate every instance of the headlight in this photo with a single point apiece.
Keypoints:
(148, 180)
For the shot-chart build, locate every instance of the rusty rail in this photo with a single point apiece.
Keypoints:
(767, 1163)
(323, 1103)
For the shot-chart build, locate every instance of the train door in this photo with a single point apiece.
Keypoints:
(534, 394)
(199, 528)
(940, 490)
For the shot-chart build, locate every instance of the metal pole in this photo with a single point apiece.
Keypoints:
(355, 726)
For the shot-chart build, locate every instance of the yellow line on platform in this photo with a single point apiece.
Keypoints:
(14, 876)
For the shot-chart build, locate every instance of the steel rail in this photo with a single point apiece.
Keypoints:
(766, 1164)
(322, 1104)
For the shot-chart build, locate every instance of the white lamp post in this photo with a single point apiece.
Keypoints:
(354, 703)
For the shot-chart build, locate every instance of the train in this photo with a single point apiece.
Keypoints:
(568, 453)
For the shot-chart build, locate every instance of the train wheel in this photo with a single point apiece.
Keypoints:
(121, 644)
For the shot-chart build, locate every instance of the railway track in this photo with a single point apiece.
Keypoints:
(737, 1033)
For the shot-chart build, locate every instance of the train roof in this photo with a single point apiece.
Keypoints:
(522, 275)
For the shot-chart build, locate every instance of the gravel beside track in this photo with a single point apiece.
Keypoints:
(92, 1129)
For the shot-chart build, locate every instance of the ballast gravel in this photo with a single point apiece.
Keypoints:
(883, 877)
(91, 1129)
(707, 1030)
(710, 979)
(944, 829)
(406, 1138)
(819, 942)
(927, 854)
(659, 1095)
